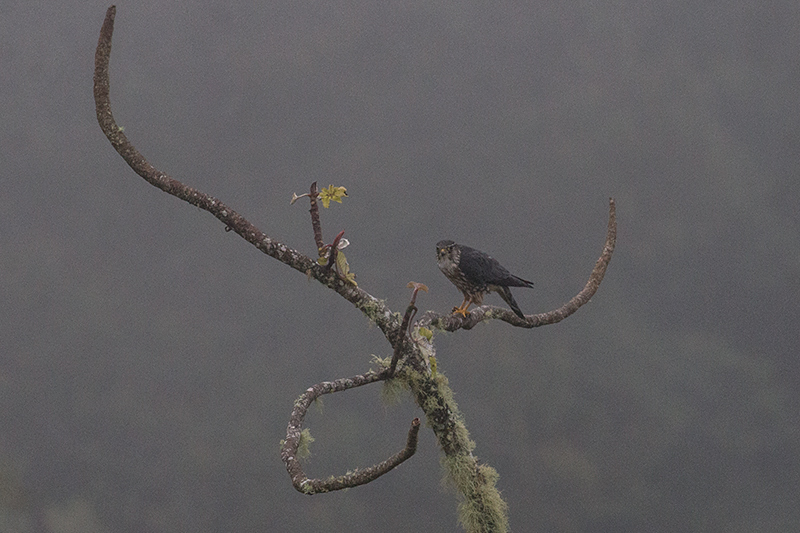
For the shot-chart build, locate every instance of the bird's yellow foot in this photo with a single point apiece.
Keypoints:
(460, 311)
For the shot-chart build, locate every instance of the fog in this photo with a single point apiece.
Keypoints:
(149, 360)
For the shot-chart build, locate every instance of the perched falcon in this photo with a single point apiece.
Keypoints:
(475, 273)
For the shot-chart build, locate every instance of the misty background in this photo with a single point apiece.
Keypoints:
(149, 360)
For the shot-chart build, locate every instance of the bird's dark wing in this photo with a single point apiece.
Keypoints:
(484, 269)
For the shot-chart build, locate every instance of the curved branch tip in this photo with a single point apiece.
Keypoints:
(486, 312)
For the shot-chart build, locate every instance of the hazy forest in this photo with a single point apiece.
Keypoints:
(149, 360)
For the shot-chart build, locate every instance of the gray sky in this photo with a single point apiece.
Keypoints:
(150, 360)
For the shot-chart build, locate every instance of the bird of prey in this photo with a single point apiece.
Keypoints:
(475, 273)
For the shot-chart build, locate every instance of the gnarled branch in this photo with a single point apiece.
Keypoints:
(454, 322)
(475, 481)
(289, 448)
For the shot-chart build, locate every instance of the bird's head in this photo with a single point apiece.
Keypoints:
(446, 253)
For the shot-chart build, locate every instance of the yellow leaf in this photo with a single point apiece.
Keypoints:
(332, 193)
(344, 268)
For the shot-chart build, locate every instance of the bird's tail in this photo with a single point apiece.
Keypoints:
(505, 294)
(516, 281)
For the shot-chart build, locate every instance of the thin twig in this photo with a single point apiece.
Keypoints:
(403, 332)
(399, 342)
(313, 193)
(333, 253)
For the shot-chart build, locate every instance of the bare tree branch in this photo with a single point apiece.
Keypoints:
(482, 510)
(454, 322)
(289, 448)
(375, 310)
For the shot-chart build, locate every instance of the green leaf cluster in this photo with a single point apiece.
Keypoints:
(332, 193)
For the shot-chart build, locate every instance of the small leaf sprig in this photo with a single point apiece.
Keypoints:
(326, 195)
(329, 254)
(339, 260)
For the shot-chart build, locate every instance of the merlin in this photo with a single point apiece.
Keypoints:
(475, 273)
